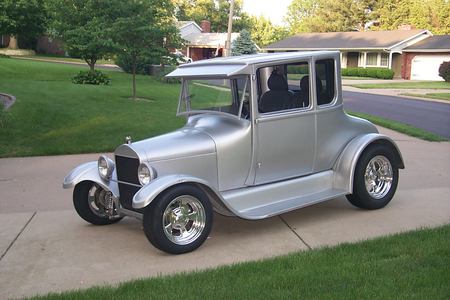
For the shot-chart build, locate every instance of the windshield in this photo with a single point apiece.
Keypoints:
(218, 95)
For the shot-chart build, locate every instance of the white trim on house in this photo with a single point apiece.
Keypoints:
(323, 49)
(427, 50)
(411, 41)
(190, 23)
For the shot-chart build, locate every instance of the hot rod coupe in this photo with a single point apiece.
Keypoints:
(265, 134)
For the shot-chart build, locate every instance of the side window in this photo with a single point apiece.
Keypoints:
(325, 81)
(298, 78)
(283, 87)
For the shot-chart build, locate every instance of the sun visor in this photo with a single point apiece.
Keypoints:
(213, 70)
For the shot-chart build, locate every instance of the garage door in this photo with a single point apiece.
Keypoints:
(425, 67)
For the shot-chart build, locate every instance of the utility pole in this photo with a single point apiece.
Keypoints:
(230, 29)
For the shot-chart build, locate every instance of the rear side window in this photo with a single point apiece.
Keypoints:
(325, 81)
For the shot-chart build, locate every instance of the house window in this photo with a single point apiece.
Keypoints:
(384, 59)
(371, 59)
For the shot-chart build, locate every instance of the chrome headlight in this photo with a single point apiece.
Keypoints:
(105, 167)
(146, 173)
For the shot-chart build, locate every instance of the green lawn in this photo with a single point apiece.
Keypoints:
(404, 85)
(413, 265)
(400, 127)
(54, 116)
(439, 96)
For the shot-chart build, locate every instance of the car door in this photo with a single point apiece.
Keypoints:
(285, 133)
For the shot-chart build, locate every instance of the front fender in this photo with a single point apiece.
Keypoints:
(149, 192)
(88, 172)
(346, 164)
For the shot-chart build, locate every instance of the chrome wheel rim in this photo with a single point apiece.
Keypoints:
(184, 220)
(378, 177)
(96, 205)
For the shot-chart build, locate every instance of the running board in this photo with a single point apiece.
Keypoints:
(276, 198)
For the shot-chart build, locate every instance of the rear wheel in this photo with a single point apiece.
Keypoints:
(94, 204)
(179, 220)
(376, 178)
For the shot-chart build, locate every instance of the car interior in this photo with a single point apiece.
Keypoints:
(285, 87)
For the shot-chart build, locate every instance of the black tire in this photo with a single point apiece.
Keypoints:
(363, 198)
(166, 239)
(83, 208)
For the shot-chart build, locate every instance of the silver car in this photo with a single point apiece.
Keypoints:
(265, 134)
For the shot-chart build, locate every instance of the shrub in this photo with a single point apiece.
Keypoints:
(381, 73)
(4, 56)
(163, 72)
(88, 77)
(444, 70)
(142, 65)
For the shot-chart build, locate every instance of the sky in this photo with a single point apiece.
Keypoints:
(275, 10)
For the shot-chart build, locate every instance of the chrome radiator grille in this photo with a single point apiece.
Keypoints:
(127, 173)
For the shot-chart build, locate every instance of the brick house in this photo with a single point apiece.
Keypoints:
(200, 42)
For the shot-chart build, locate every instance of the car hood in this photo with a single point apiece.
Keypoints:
(199, 136)
(183, 142)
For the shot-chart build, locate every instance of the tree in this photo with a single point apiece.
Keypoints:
(433, 15)
(263, 32)
(215, 11)
(329, 15)
(26, 18)
(299, 13)
(350, 15)
(85, 27)
(145, 30)
(243, 44)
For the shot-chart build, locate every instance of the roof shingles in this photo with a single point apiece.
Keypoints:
(436, 42)
(345, 40)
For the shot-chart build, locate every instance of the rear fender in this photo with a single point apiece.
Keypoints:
(89, 172)
(345, 165)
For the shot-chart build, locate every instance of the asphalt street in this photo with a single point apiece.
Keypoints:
(427, 115)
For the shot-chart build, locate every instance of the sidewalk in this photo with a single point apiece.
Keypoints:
(101, 66)
(45, 246)
(399, 92)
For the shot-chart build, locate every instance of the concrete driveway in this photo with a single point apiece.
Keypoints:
(45, 246)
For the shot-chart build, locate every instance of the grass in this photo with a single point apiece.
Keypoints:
(404, 85)
(54, 116)
(439, 96)
(411, 265)
(400, 127)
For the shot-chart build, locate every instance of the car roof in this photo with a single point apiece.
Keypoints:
(236, 65)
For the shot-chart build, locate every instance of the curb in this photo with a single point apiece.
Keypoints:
(7, 100)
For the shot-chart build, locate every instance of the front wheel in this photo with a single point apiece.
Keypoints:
(179, 220)
(94, 204)
(376, 178)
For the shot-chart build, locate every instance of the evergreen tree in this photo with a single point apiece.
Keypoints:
(243, 44)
